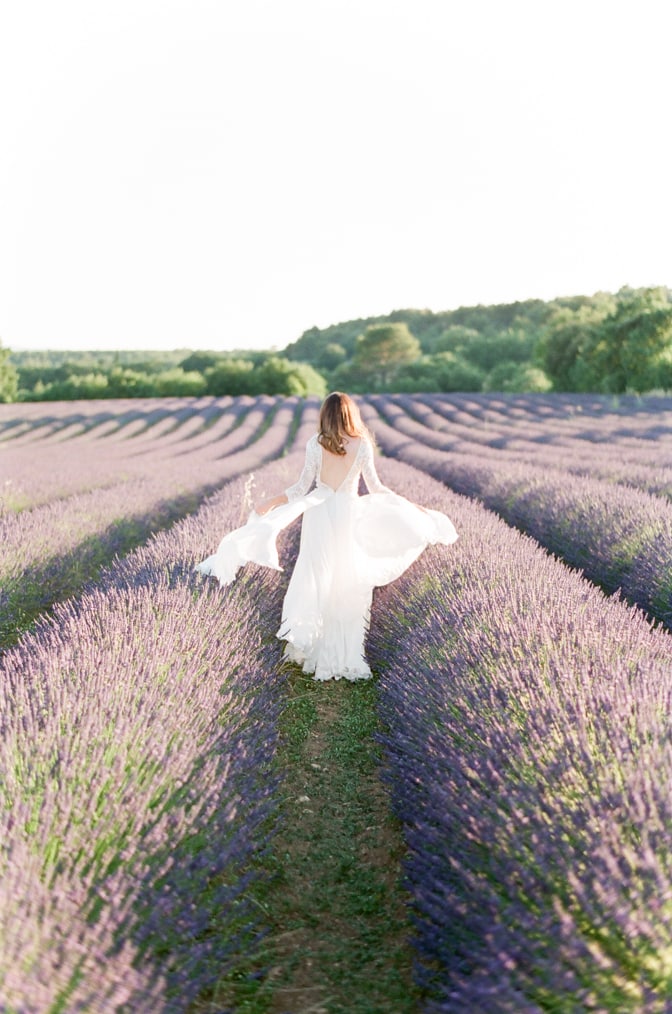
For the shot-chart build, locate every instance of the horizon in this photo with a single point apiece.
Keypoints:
(279, 350)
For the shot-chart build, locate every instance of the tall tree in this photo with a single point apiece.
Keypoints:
(562, 348)
(382, 349)
(281, 376)
(629, 348)
(572, 330)
(9, 378)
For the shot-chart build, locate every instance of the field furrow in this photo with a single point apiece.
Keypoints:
(606, 453)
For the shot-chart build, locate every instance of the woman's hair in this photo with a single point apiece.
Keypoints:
(339, 418)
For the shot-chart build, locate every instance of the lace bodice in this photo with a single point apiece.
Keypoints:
(362, 464)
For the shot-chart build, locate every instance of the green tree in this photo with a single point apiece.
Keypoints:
(382, 349)
(511, 376)
(559, 350)
(309, 347)
(562, 349)
(231, 376)
(9, 378)
(455, 338)
(331, 356)
(349, 377)
(455, 373)
(274, 375)
(123, 382)
(442, 372)
(200, 361)
(179, 383)
(663, 372)
(420, 375)
(280, 376)
(486, 351)
(89, 385)
(631, 346)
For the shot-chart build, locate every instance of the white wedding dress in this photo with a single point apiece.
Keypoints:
(350, 544)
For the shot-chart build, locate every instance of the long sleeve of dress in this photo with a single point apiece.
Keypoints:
(373, 483)
(308, 473)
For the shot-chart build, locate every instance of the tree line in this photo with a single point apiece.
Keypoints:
(54, 376)
(607, 343)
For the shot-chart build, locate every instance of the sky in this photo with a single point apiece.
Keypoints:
(217, 174)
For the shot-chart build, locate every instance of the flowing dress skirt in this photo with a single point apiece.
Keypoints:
(350, 544)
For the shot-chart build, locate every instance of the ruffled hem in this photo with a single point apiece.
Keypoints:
(352, 676)
(321, 673)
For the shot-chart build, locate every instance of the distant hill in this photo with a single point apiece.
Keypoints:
(428, 326)
(608, 342)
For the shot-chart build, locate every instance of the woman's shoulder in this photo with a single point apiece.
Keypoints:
(313, 447)
(359, 447)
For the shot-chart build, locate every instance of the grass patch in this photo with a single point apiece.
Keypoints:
(338, 916)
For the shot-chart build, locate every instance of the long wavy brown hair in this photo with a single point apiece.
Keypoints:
(340, 418)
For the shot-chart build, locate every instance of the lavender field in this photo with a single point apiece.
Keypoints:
(523, 693)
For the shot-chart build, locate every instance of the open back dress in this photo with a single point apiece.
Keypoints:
(350, 544)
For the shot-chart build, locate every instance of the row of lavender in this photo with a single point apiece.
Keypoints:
(63, 452)
(64, 420)
(49, 552)
(529, 760)
(620, 537)
(637, 455)
(138, 729)
(141, 574)
(555, 420)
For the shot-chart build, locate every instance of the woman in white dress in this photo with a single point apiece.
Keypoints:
(349, 544)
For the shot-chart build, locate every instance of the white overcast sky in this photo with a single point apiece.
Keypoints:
(216, 174)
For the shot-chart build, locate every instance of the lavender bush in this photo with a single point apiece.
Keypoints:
(526, 716)
(620, 537)
(627, 455)
(95, 450)
(527, 740)
(555, 438)
(138, 733)
(48, 553)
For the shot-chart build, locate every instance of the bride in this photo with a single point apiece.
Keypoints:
(349, 544)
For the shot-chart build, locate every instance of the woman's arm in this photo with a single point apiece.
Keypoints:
(373, 483)
(300, 488)
(264, 506)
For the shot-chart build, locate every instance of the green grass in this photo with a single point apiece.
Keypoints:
(338, 937)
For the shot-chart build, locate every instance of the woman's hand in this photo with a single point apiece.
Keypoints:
(264, 506)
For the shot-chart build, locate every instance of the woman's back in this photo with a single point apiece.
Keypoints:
(335, 468)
